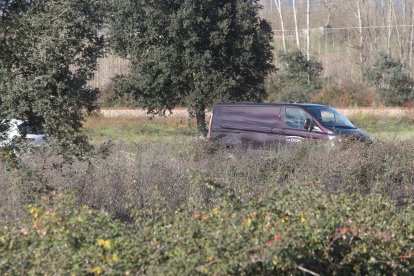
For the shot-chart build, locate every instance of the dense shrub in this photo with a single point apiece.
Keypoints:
(291, 231)
(112, 96)
(391, 79)
(297, 79)
(347, 94)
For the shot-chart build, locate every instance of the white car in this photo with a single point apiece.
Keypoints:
(16, 131)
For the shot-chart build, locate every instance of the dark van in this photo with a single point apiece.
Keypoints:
(256, 124)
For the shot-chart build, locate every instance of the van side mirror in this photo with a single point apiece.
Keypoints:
(353, 123)
(308, 125)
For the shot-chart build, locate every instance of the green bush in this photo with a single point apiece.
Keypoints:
(289, 232)
(389, 76)
(297, 80)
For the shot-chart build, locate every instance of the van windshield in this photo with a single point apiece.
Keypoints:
(329, 117)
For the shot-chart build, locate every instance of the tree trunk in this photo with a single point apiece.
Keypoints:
(397, 31)
(410, 53)
(327, 5)
(201, 122)
(389, 28)
(296, 25)
(308, 46)
(282, 23)
(361, 37)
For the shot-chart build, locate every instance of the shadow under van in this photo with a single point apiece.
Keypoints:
(259, 125)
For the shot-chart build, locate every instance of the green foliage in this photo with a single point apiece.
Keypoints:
(297, 80)
(192, 53)
(80, 233)
(114, 95)
(284, 233)
(48, 52)
(389, 77)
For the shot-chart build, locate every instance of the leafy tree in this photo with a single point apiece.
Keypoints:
(191, 52)
(297, 79)
(48, 52)
(387, 75)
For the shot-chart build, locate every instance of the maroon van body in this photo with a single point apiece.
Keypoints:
(259, 125)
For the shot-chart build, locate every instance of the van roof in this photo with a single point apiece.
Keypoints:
(269, 104)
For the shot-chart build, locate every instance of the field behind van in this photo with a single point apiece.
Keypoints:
(161, 201)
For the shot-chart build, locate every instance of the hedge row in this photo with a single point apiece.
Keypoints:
(293, 231)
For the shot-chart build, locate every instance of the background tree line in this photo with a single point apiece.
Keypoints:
(350, 39)
(358, 28)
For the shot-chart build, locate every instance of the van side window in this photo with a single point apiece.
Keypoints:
(295, 117)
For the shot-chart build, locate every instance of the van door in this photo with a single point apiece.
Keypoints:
(294, 120)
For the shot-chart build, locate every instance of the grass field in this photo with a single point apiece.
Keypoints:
(386, 127)
(135, 130)
(139, 129)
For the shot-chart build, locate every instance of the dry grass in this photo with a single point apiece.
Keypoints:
(171, 174)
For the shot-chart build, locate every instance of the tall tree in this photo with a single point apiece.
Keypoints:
(48, 51)
(327, 4)
(308, 45)
(358, 14)
(295, 19)
(191, 52)
(282, 22)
